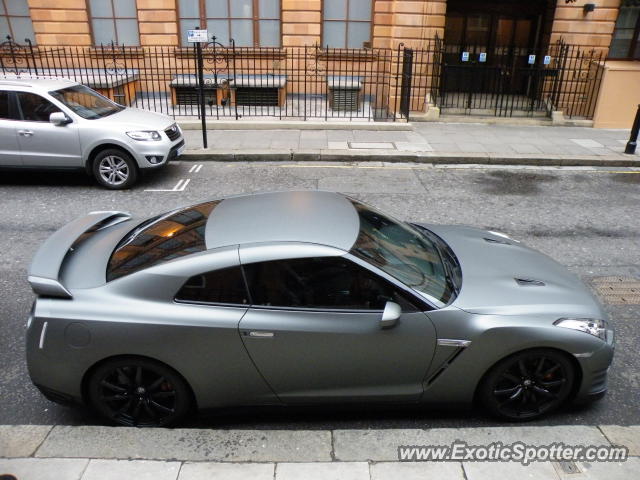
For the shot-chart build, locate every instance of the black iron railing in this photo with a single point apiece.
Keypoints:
(312, 82)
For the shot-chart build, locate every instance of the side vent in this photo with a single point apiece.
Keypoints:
(495, 240)
(529, 282)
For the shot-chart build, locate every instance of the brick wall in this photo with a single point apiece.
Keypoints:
(592, 30)
(407, 21)
(157, 22)
(65, 23)
(394, 21)
(301, 22)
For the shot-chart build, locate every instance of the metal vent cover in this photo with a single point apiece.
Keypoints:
(345, 99)
(495, 240)
(618, 290)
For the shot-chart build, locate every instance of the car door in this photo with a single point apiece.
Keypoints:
(9, 148)
(314, 331)
(42, 143)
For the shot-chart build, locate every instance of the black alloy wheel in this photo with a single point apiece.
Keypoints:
(528, 384)
(138, 392)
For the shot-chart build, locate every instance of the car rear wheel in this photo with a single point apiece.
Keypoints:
(139, 392)
(115, 169)
(528, 384)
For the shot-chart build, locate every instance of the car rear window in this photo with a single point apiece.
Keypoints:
(161, 239)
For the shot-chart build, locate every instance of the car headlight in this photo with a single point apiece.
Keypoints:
(144, 135)
(593, 326)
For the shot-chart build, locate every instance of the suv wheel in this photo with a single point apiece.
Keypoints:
(115, 169)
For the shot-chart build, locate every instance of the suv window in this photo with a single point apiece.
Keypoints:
(161, 239)
(35, 108)
(7, 107)
(220, 286)
(326, 282)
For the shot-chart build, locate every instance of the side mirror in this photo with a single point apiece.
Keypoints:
(390, 316)
(59, 118)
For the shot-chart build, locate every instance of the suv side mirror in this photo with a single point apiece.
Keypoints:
(59, 118)
(390, 316)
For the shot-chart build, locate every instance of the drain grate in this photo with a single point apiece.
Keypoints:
(568, 467)
(618, 290)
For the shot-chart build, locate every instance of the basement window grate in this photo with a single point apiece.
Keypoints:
(261, 97)
(189, 96)
(345, 99)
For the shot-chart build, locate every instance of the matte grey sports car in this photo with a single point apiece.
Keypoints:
(303, 298)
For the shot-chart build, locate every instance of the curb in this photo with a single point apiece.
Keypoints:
(295, 125)
(228, 445)
(349, 156)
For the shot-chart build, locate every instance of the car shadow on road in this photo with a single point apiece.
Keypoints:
(57, 178)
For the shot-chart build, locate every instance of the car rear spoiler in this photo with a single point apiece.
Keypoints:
(45, 268)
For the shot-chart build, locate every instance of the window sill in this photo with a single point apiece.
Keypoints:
(116, 51)
(359, 54)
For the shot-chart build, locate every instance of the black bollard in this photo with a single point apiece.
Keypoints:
(633, 140)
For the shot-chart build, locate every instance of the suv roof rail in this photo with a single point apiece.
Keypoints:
(14, 84)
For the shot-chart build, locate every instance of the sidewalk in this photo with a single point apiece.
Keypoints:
(90, 453)
(422, 142)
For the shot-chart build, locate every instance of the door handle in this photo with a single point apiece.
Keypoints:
(256, 334)
(25, 133)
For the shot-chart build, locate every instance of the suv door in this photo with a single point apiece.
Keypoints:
(314, 331)
(9, 147)
(42, 143)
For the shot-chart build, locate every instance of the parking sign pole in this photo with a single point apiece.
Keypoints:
(198, 36)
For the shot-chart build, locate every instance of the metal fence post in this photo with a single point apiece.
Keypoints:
(405, 89)
(203, 116)
(633, 139)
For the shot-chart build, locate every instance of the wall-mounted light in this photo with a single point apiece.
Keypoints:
(588, 7)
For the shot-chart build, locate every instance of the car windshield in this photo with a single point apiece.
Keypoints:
(161, 239)
(86, 102)
(402, 252)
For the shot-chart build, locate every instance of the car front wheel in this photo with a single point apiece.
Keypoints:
(139, 392)
(115, 169)
(528, 384)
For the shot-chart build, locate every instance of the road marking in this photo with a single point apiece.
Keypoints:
(196, 168)
(180, 186)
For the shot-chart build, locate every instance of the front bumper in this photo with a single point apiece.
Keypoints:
(595, 369)
(156, 154)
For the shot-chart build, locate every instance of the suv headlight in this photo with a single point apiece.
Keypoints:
(593, 326)
(144, 135)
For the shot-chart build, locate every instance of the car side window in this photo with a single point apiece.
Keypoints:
(219, 286)
(7, 107)
(35, 108)
(323, 283)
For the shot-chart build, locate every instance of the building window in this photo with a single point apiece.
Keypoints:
(114, 21)
(248, 22)
(15, 21)
(346, 23)
(626, 37)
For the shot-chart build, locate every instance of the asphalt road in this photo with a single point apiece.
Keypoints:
(586, 219)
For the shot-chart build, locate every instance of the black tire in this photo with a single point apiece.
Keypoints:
(115, 169)
(138, 392)
(528, 384)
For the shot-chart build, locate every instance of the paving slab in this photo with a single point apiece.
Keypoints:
(187, 444)
(131, 469)
(21, 440)
(323, 471)
(44, 469)
(382, 445)
(226, 471)
(509, 470)
(605, 470)
(417, 471)
(626, 436)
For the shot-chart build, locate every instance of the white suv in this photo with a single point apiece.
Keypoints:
(57, 123)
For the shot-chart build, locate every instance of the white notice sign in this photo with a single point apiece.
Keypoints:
(547, 59)
(197, 36)
(465, 56)
(532, 59)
